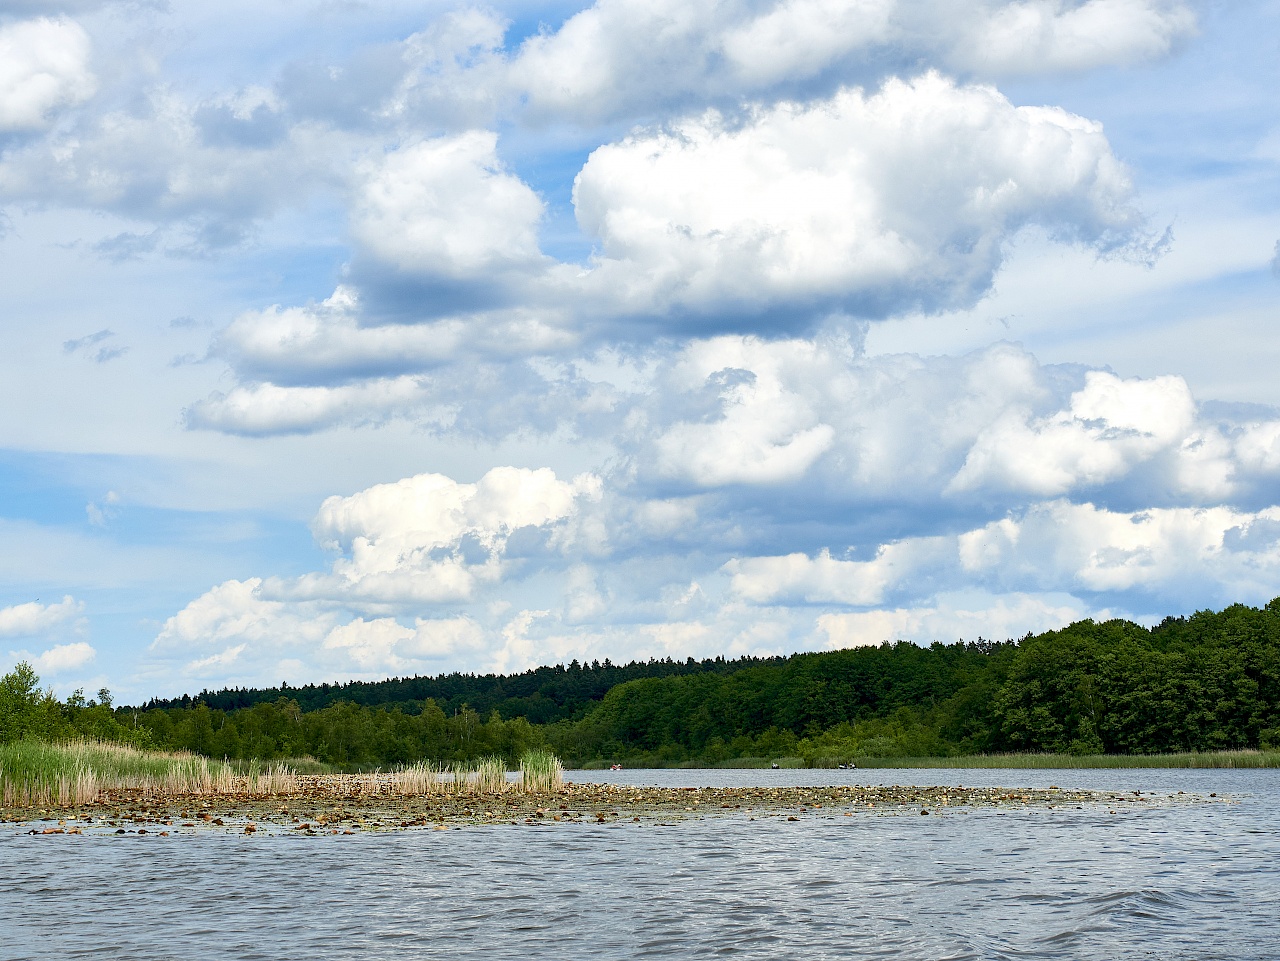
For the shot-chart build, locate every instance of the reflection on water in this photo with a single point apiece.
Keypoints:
(1179, 882)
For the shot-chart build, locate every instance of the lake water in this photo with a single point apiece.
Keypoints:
(1183, 881)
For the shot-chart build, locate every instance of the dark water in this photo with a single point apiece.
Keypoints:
(1194, 882)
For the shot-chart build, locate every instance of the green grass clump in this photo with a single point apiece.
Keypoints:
(34, 772)
(541, 772)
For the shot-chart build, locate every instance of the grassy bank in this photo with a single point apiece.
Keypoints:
(79, 772)
(33, 772)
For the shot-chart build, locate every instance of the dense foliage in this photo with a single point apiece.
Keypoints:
(30, 714)
(541, 695)
(1204, 683)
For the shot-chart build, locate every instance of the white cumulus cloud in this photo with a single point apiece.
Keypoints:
(44, 65)
(447, 208)
(62, 658)
(843, 202)
(1042, 35)
(1110, 425)
(1054, 546)
(429, 538)
(621, 58)
(403, 547)
(34, 618)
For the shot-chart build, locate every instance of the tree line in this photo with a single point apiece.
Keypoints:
(541, 695)
(1206, 682)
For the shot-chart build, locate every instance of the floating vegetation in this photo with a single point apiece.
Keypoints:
(541, 772)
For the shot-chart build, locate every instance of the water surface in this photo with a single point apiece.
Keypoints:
(1183, 881)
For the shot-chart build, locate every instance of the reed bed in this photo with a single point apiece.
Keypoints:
(490, 776)
(541, 773)
(76, 773)
(487, 775)
(80, 772)
(425, 777)
(278, 778)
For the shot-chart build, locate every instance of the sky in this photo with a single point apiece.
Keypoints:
(353, 340)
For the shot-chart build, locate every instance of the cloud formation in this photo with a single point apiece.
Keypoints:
(63, 658)
(33, 618)
(421, 542)
(843, 203)
(44, 66)
(445, 212)
(640, 253)
(783, 220)
(623, 57)
(1053, 546)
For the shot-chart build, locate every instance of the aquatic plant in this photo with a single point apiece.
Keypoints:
(490, 776)
(416, 779)
(33, 772)
(459, 777)
(541, 772)
(276, 778)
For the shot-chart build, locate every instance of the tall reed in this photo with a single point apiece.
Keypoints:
(541, 772)
(75, 773)
(490, 776)
(277, 778)
(421, 778)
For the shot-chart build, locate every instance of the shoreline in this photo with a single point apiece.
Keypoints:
(322, 805)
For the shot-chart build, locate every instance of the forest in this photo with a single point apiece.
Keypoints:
(1208, 682)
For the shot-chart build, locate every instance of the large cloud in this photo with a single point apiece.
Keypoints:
(626, 57)
(769, 224)
(902, 200)
(431, 539)
(44, 65)
(217, 162)
(1109, 426)
(412, 545)
(446, 211)
(989, 430)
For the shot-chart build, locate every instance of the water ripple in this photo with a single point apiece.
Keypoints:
(1171, 883)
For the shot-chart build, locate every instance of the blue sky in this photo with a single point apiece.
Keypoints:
(354, 340)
